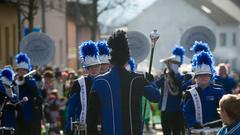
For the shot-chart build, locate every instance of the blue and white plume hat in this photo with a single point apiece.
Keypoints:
(7, 76)
(131, 65)
(104, 51)
(177, 55)
(89, 54)
(199, 46)
(23, 61)
(203, 63)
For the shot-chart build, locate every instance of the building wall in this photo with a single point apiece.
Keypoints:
(72, 50)
(55, 28)
(8, 34)
(171, 18)
(228, 53)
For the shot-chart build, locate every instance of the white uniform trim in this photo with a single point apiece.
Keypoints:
(6, 81)
(110, 90)
(197, 105)
(22, 65)
(130, 107)
(83, 98)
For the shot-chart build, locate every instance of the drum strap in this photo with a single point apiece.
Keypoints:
(83, 98)
(197, 105)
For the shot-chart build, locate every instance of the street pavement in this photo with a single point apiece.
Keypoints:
(153, 133)
(157, 131)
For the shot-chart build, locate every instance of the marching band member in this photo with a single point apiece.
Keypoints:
(29, 114)
(103, 56)
(197, 47)
(171, 94)
(78, 99)
(131, 67)
(230, 114)
(116, 95)
(7, 98)
(203, 96)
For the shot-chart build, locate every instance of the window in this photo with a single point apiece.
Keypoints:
(7, 41)
(51, 4)
(223, 39)
(60, 4)
(234, 39)
(234, 64)
(61, 51)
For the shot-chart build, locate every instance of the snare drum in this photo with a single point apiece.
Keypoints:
(7, 131)
(79, 129)
(205, 131)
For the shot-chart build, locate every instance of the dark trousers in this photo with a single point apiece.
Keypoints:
(33, 128)
(172, 123)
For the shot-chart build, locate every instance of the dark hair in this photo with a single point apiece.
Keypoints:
(118, 45)
(48, 74)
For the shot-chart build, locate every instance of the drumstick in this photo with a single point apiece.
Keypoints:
(212, 122)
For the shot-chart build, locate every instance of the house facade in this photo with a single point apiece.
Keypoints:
(173, 17)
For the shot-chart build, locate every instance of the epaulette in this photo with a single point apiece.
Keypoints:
(215, 85)
(190, 87)
(140, 73)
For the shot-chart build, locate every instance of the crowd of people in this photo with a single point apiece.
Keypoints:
(108, 95)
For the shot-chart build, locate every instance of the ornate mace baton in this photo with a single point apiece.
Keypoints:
(154, 36)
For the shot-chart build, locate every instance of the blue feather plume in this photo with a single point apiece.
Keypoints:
(8, 73)
(203, 58)
(132, 64)
(103, 48)
(199, 46)
(22, 57)
(88, 48)
(178, 51)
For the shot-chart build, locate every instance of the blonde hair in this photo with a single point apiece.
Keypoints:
(231, 105)
(223, 65)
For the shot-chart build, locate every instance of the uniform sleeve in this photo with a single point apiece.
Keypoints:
(186, 85)
(160, 81)
(151, 92)
(234, 84)
(71, 110)
(75, 88)
(93, 113)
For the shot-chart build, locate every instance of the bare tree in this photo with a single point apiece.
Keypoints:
(28, 9)
(87, 14)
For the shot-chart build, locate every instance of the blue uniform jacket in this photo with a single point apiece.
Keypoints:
(209, 97)
(29, 110)
(173, 102)
(233, 129)
(74, 107)
(8, 118)
(228, 83)
(116, 97)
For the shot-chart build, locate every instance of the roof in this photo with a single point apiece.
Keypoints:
(220, 11)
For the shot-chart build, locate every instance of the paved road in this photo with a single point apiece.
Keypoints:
(158, 131)
(153, 133)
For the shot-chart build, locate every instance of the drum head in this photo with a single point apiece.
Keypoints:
(39, 47)
(139, 45)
